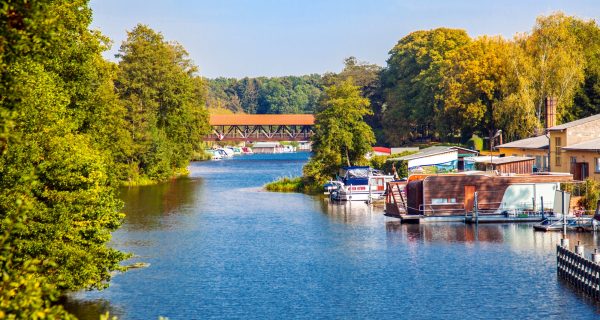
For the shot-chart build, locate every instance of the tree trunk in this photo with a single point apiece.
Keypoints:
(347, 158)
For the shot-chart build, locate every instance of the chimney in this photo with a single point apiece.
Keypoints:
(550, 112)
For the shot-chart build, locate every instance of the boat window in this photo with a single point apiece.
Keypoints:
(443, 200)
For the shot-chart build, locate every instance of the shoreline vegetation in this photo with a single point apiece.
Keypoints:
(75, 127)
(302, 184)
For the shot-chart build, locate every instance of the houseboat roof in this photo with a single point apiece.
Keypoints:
(539, 142)
(575, 123)
(591, 145)
(491, 174)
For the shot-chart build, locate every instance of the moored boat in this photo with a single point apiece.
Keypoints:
(358, 183)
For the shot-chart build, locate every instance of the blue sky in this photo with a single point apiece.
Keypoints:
(237, 38)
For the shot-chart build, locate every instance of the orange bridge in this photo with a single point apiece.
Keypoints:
(261, 127)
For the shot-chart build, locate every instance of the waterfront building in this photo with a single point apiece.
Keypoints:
(572, 147)
(439, 159)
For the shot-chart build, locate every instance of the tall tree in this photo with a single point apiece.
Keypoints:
(587, 96)
(341, 134)
(412, 81)
(166, 121)
(368, 78)
(483, 91)
(557, 66)
(58, 200)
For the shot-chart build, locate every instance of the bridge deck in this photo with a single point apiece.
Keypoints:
(262, 120)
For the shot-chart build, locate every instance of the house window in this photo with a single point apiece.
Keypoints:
(597, 165)
(557, 144)
(573, 159)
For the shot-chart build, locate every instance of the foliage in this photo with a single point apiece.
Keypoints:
(263, 95)
(60, 138)
(368, 77)
(591, 194)
(164, 100)
(412, 81)
(475, 143)
(341, 134)
(439, 84)
(557, 62)
(482, 91)
(383, 163)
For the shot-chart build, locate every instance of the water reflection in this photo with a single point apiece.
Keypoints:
(146, 206)
(89, 309)
(351, 212)
(517, 235)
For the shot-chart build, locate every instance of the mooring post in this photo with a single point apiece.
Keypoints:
(542, 206)
(475, 208)
(579, 249)
(596, 256)
(564, 242)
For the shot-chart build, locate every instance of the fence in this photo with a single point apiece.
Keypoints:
(577, 270)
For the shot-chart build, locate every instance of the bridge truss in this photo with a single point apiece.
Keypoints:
(261, 127)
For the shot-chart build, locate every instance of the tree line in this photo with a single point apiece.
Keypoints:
(73, 128)
(290, 94)
(444, 85)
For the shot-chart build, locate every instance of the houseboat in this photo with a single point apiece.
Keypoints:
(358, 183)
(485, 196)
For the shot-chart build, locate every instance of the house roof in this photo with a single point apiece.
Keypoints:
(262, 119)
(590, 145)
(539, 142)
(431, 151)
(382, 150)
(504, 160)
(575, 123)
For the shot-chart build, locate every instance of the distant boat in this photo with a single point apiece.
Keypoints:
(247, 150)
(579, 224)
(214, 154)
(358, 183)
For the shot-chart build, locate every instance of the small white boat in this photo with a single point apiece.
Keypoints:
(226, 152)
(358, 183)
(214, 154)
(288, 148)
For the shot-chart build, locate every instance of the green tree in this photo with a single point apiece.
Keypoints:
(368, 78)
(557, 63)
(58, 200)
(166, 120)
(412, 82)
(587, 96)
(341, 134)
(482, 90)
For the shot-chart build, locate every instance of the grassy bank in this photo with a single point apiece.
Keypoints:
(295, 184)
(286, 184)
(139, 181)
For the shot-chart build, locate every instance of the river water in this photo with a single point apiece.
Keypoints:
(220, 247)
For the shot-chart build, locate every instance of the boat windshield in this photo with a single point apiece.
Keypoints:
(358, 173)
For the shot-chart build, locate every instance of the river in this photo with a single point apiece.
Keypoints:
(220, 247)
